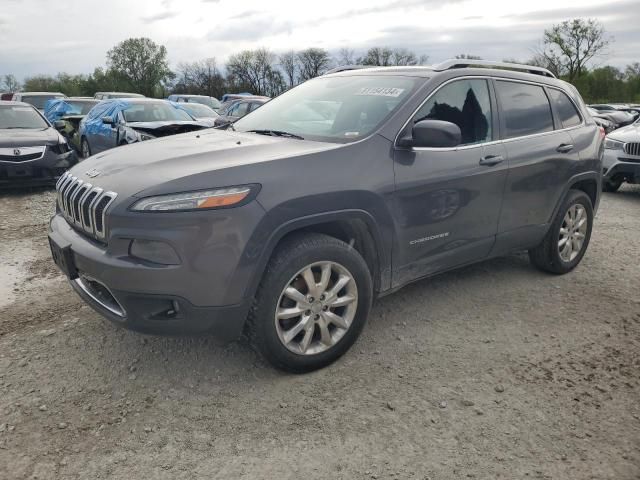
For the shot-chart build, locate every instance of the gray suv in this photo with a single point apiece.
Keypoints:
(288, 224)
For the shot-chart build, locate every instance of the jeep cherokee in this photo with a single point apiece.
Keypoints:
(340, 190)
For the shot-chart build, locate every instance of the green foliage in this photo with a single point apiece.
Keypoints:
(608, 84)
(141, 63)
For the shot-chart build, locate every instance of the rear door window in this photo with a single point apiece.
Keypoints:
(525, 109)
(565, 108)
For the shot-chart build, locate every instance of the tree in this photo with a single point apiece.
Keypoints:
(346, 56)
(571, 45)
(201, 78)
(254, 70)
(313, 62)
(402, 56)
(142, 63)
(10, 83)
(377, 56)
(289, 65)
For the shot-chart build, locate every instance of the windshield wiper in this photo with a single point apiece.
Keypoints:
(277, 133)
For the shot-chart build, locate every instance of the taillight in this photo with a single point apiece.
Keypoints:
(602, 132)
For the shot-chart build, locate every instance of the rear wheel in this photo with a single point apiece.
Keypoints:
(84, 147)
(568, 238)
(312, 303)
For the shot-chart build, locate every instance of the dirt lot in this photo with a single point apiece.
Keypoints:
(493, 371)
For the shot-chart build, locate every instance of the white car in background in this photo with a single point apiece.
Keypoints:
(621, 160)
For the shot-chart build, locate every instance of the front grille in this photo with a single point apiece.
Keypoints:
(632, 149)
(83, 205)
(21, 154)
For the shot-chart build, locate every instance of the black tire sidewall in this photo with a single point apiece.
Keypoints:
(82, 144)
(274, 282)
(574, 197)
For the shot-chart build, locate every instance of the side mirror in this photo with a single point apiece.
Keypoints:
(59, 125)
(434, 134)
(108, 120)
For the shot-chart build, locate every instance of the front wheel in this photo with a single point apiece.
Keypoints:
(312, 303)
(84, 147)
(611, 185)
(568, 238)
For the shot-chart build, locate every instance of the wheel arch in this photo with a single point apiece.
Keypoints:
(588, 182)
(355, 227)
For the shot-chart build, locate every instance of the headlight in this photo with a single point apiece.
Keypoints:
(199, 200)
(611, 144)
(144, 136)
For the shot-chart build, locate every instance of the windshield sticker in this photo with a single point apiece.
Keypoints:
(351, 134)
(381, 91)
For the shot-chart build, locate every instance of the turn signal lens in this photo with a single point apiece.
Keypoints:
(203, 199)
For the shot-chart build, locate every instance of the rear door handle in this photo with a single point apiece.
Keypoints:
(491, 160)
(564, 148)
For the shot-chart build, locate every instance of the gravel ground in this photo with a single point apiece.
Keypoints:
(492, 371)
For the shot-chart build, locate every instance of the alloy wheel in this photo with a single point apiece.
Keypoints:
(316, 308)
(573, 232)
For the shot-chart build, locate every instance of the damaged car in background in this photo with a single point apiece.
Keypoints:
(31, 151)
(117, 122)
(65, 114)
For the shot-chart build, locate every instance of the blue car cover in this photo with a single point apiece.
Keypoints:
(56, 108)
(92, 123)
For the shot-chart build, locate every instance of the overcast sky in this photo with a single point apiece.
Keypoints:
(44, 36)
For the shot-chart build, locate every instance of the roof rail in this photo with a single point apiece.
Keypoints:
(345, 68)
(462, 63)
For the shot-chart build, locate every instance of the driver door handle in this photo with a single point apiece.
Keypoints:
(564, 148)
(491, 160)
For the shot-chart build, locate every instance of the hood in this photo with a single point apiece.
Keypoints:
(630, 133)
(618, 116)
(165, 126)
(130, 169)
(19, 137)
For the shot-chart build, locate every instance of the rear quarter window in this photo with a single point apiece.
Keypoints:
(525, 109)
(565, 108)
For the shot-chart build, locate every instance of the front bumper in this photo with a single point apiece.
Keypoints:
(43, 171)
(163, 299)
(616, 163)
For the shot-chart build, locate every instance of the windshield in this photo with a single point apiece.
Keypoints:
(17, 116)
(208, 101)
(154, 112)
(38, 101)
(80, 107)
(333, 109)
(198, 110)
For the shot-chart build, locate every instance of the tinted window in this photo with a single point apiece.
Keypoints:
(525, 107)
(565, 108)
(465, 103)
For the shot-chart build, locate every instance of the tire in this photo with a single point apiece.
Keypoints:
(327, 341)
(549, 256)
(611, 185)
(85, 149)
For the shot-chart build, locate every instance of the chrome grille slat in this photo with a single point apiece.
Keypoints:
(83, 205)
(632, 148)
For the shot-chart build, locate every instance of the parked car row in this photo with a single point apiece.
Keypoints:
(89, 125)
(612, 116)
